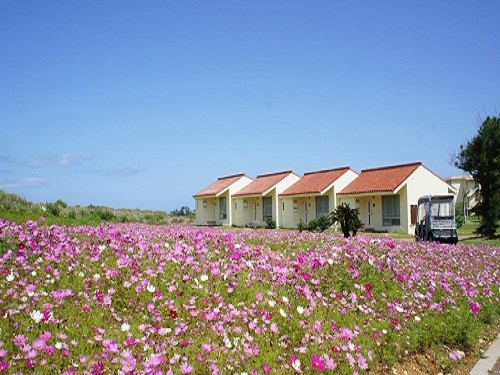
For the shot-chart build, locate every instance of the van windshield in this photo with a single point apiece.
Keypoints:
(442, 209)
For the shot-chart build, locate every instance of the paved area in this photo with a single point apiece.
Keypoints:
(490, 362)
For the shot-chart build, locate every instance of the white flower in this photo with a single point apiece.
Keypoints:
(296, 364)
(272, 303)
(399, 308)
(10, 277)
(81, 274)
(300, 310)
(36, 315)
(237, 246)
(33, 273)
(102, 247)
(236, 341)
(203, 277)
(227, 342)
(151, 288)
(285, 299)
(58, 345)
(125, 327)
(417, 318)
(282, 313)
(330, 261)
(97, 276)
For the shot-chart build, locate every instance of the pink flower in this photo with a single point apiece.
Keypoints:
(266, 368)
(330, 363)
(128, 364)
(317, 363)
(19, 340)
(186, 368)
(38, 344)
(362, 362)
(4, 366)
(45, 336)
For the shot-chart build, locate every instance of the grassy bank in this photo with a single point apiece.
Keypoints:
(16, 208)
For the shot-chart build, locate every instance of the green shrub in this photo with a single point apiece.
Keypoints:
(270, 223)
(301, 226)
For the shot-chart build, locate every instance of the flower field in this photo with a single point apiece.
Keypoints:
(179, 299)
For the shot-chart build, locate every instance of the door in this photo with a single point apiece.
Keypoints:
(305, 210)
(255, 210)
(370, 208)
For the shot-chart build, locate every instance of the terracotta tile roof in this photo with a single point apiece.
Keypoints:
(382, 179)
(219, 186)
(262, 183)
(315, 182)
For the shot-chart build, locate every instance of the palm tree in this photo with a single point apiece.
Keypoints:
(348, 219)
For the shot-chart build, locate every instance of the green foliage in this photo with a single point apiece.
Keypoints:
(270, 223)
(348, 219)
(184, 211)
(481, 158)
(15, 208)
(459, 220)
(301, 226)
(321, 223)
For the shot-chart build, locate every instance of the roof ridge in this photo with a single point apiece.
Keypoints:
(417, 163)
(232, 176)
(274, 174)
(328, 170)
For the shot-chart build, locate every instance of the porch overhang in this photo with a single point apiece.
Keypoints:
(370, 193)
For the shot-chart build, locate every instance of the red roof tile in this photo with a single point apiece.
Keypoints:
(262, 183)
(315, 182)
(218, 186)
(382, 179)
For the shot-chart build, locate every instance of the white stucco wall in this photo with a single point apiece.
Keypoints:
(211, 210)
(246, 209)
(281, 186)
(206, 212)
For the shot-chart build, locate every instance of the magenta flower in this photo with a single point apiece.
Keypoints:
(474, 307)
(266, 368)
(317, 362)
(128, 364)
(4, 366)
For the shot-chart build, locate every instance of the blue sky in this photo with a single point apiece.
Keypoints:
(134, 104)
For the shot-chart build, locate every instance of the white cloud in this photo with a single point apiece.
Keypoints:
(69, 159)
(25, 182)
(37, 162)
(125, 171)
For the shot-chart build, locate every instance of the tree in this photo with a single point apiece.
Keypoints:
(481, 158)
(348, 219)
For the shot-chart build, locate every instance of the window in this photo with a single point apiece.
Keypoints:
(235, 205)
(390, 210)
(295, 206)
(442, 210)
(322, 206)
(245, 205)
(267, 207)
(204, 204)
(222, 208)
